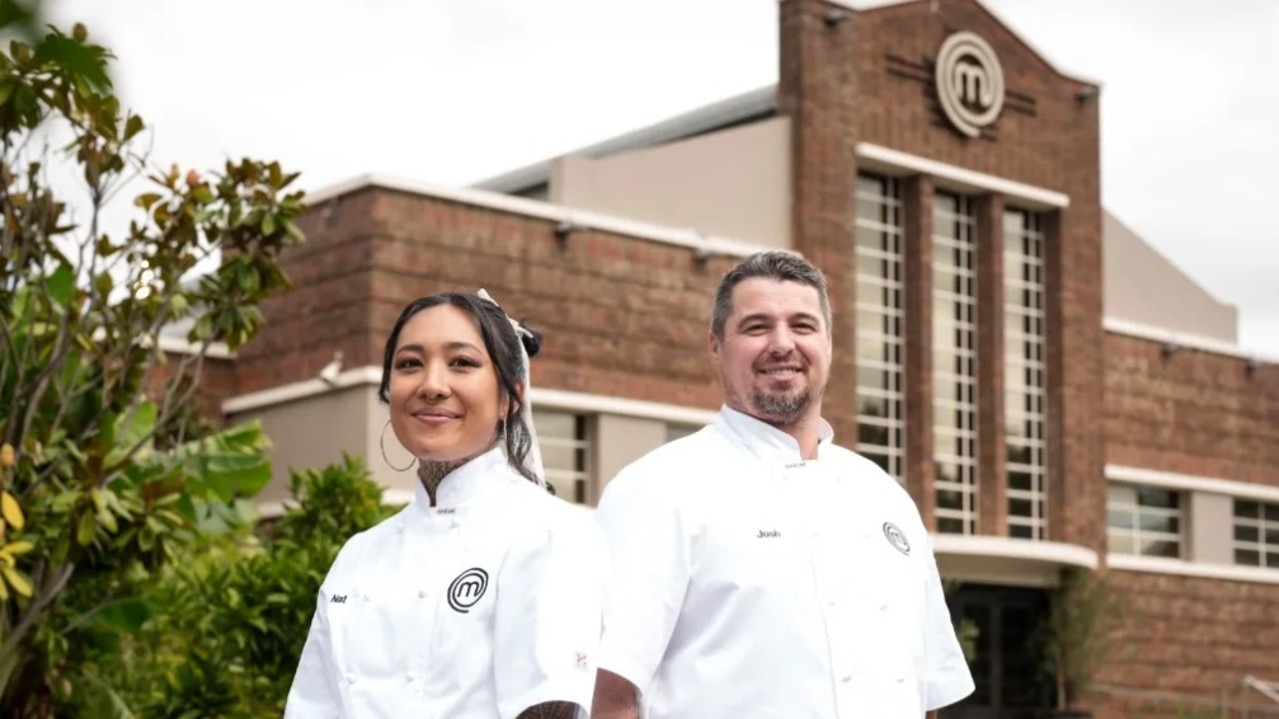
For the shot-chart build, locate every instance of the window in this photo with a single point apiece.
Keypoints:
(1143, 520)
(881, 305)
(1025, 391)
(1256, 534)
(562, 437)
(955, 363)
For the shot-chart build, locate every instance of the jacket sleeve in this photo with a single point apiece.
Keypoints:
(314, 693)
(548, 618)
(650, 566)
(948, 677)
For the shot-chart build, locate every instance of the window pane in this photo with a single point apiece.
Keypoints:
(1119, 520)
(1160, 523)
(1019, 480)
(1020, 507)
(1272, 560)
(1018, 531)
(1120, 543)
(1160, 548)
(873, 378)
(950, 499)
(1249, 557)
(1121, 493)
(1246, 534)
(1151, 497)
(948, 525)
(1251, 510)
(1272, 512)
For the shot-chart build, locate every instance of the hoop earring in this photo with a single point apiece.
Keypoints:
(382, 446)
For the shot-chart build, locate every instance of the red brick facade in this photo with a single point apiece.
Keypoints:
(621, 317)
(1191, 412)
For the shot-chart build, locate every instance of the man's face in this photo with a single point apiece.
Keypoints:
(774, 359)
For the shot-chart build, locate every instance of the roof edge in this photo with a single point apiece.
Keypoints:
(874, 5)
(720, 113)
(702, 244)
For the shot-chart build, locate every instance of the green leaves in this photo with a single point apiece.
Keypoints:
(227, 616)
(84, 64)
(110, 473)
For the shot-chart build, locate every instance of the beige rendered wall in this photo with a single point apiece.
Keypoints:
(732, 183)
(312, 432)
(1142, 286)
(1208, 514)
(620, 441)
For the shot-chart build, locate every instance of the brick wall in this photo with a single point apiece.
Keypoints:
(328, 308)
(215, 381)
(1192, 412)
(1188, 638)
(621, 316)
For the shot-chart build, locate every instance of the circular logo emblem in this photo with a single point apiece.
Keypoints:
(467, 589)
(970, 82)
(896, 537)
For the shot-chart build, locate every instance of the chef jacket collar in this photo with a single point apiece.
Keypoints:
(465, 483)
(767, 442)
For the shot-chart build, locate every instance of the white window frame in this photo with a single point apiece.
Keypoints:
(1267, 552)
(578, 478)
(956, 233)
(1135, 533)
(889, 222)
(1025, 300)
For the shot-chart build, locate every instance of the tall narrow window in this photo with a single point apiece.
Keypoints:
(563, 441)
(955, 363)
(1025, 391)
(881, 402)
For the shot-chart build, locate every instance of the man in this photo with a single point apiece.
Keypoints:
(760, 570)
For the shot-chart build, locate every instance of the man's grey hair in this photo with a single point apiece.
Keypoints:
(779, 265)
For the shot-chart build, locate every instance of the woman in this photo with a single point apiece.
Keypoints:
(482, 597)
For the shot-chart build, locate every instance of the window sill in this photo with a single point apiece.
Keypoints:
(1159, 565)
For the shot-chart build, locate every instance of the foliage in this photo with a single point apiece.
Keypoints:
(235, 611)
(1078, 633)
(967, 632)
(92, 504)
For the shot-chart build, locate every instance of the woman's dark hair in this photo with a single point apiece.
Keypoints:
(503, 347)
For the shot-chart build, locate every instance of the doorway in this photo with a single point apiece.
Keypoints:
(1005, 666)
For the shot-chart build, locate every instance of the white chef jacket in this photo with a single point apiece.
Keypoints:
(482, 606)
(746, 582)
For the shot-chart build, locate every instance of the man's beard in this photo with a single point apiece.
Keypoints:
(782, 408)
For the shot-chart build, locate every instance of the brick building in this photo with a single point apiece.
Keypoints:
(1052, 392)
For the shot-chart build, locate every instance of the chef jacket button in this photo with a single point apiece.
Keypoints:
(421, 594)
(846, 678)
(350, 677)
(408, 677)
(883, 607)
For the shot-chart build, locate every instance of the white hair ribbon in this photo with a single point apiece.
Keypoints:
(533, 461)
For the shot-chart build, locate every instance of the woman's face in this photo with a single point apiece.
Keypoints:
(444, 393)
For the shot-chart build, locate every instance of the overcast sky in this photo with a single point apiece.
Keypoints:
(454, 91)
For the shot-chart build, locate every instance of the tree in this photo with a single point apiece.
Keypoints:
(100, 484)
(231, 617)
(1077, 635)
